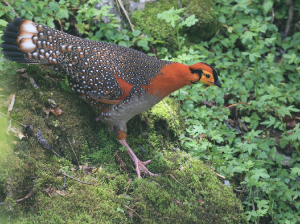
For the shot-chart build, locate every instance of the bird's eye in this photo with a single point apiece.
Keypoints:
(207, 76)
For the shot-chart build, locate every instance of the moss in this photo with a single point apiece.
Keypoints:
(185, 192)
(206, 26)
(147, 21)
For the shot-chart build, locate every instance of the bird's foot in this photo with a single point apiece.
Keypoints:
(139, 165)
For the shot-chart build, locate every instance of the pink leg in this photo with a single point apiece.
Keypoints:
(139, 165)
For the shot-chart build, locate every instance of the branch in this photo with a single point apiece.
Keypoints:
(126, 14)
(6, 3)
(219, 175)
(288, 23)
(73, 152)
(66, 175)
(21, 199)
(133, 211)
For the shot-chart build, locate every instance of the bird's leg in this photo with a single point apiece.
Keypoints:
(139, 165)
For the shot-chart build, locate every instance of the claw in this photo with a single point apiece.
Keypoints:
(139, 165)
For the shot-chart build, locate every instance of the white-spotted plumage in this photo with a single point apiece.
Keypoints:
(26, 45)
(28, 26)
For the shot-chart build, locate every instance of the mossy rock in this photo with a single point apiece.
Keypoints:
(205, 28)
(185, 191)
(147, 21)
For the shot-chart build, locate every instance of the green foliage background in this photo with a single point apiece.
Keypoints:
(248, 130)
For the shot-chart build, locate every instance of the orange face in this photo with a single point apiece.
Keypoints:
(208, 75)
(207, 78)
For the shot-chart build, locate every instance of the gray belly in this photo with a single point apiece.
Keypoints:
(125, 111)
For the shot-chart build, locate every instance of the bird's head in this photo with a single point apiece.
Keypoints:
(207, 74)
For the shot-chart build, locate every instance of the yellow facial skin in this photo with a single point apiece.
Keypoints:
(207, 78)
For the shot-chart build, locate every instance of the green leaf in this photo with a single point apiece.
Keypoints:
(171, 16)
(259, 173)
(221, 18)
(217, 137)
(248, 35)
(295, 171)
(123, 43)
(144, 44)
(267, 6)
(3, 22)
(270, 122)
(291, 57)
(63, 13)
(249, 84)
(136, 33)
(283, 143)
(54, 6)
(190, 21)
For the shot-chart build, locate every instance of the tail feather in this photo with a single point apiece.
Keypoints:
(13, 27)
(9, 34)
(19, 44)
(10, 48)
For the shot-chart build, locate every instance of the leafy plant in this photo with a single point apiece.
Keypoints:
(242, 129)
(172, 16)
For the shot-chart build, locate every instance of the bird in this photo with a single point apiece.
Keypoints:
(117, 81)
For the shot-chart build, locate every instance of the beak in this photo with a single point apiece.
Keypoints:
(218, 83)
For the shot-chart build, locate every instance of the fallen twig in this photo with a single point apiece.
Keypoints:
(126, 14)
(75, 179)
(133, 211)
(120, 161)
(73, 152)
(56, 153)
(181, 184)
(27, 196)
(12, 119)
(11, 105)
(217, 173)
(21, 199)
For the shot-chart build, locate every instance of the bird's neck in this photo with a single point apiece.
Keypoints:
(171, 78)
